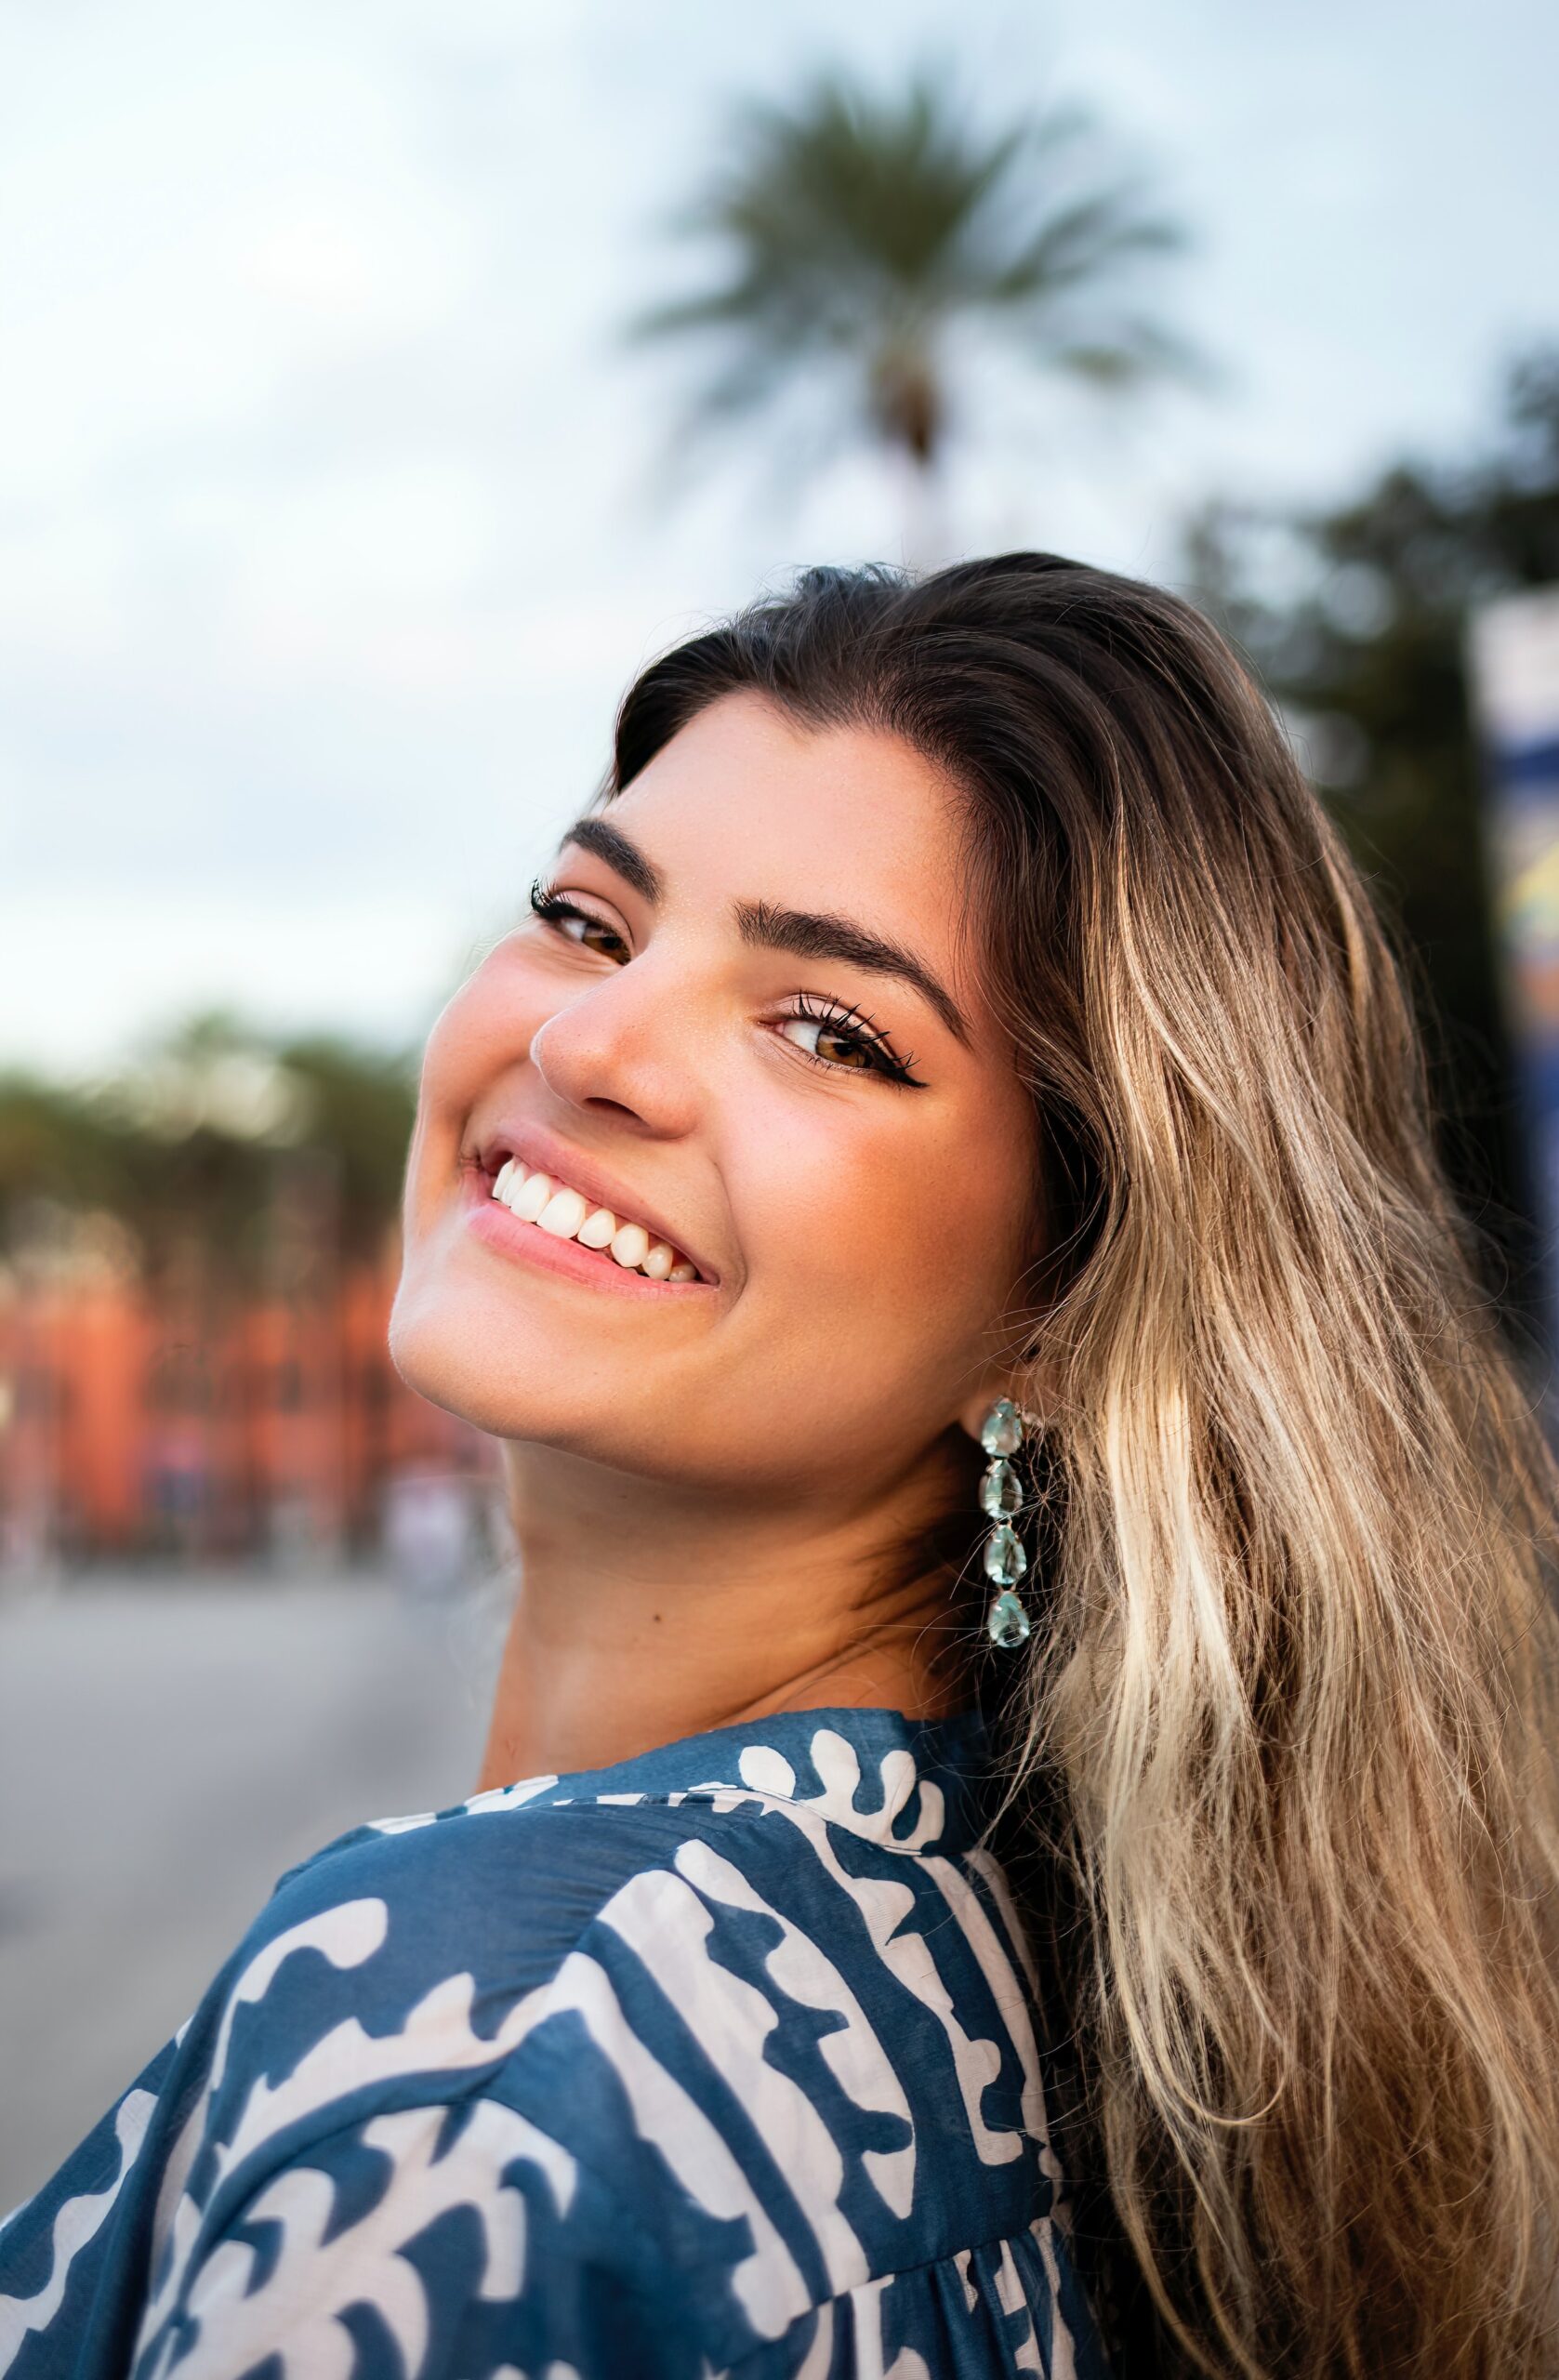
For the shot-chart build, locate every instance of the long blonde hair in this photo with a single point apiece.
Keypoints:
(1296, 1699)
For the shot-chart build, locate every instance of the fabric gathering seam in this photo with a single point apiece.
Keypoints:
(878, 2281)
(622, 2215)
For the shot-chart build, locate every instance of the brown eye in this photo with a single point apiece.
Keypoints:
(554, 910)
(843, 1050)
(862, 1050)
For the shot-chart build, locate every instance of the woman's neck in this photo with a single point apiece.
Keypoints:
(643, 1617)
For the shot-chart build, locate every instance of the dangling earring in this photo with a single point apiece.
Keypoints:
(1001, 1494)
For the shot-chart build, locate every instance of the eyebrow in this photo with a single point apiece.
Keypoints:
(764, 925)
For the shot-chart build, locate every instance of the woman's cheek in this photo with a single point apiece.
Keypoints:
(843, 1221)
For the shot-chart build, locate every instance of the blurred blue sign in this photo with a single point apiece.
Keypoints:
(1514, 648)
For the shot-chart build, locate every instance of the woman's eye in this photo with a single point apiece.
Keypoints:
(555, 911)
(846, 1046)
(831, 1043)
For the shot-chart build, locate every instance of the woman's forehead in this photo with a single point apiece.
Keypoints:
(747, 794)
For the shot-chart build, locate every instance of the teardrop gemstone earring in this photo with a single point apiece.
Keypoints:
(1001, 1496)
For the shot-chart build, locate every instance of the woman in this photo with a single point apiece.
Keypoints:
(937, 1205)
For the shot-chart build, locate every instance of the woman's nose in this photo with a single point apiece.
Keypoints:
(628, 1046)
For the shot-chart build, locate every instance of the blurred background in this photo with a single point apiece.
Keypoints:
(383, 381)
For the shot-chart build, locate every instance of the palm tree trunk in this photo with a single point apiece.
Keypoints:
(926, 533)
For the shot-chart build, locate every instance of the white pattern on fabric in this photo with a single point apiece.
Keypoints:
(724, 2061)
(75, 2223)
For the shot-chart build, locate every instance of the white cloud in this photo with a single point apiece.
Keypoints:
(324, 546)
(378, 966)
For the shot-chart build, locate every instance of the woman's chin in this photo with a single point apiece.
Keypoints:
(468, 1364)
(515, 1372)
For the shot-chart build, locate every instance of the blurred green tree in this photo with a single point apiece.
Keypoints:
(194, 1140)
(1356, 619)
(861, 233)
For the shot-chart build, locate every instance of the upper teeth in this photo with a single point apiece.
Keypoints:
(537, 1198)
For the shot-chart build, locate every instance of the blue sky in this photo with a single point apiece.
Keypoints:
(327, 530)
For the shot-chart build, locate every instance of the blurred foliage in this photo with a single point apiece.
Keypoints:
(860, 232)
(1357, 621)
(207, 1138)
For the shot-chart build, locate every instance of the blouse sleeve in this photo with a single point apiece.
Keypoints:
(430, 2243)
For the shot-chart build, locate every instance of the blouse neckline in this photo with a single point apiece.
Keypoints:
(912, 1785)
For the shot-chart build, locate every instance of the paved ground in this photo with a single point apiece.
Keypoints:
(167, 1749)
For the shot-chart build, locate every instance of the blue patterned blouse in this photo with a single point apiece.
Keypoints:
(721, 2061)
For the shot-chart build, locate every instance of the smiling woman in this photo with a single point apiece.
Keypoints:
(1018, 1824)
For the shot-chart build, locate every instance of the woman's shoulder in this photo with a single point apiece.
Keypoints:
(749, 2012)
(808, 1859)
(771, 1960)
(836, 1809)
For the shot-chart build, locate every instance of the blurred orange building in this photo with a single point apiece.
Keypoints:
(206, 1425)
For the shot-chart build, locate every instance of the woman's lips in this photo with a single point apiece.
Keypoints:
(536, 1150)
(528, 1243)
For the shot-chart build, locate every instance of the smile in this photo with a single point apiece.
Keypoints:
(554, 1205)
(524, 1212)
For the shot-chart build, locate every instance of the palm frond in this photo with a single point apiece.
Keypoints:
(1084, 243)
(858, 226)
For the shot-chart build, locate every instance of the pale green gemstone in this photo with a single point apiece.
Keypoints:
(1001, 1491)
(1007, 1622)
(1005, 1558)
(1002, 1430)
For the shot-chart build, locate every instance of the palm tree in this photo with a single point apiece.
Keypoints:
(860, 232)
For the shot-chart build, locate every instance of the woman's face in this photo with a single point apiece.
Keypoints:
(694, 1057)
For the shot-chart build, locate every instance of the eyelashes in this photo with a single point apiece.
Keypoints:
(842, 1025)
(551, 907)
(851, 1025)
